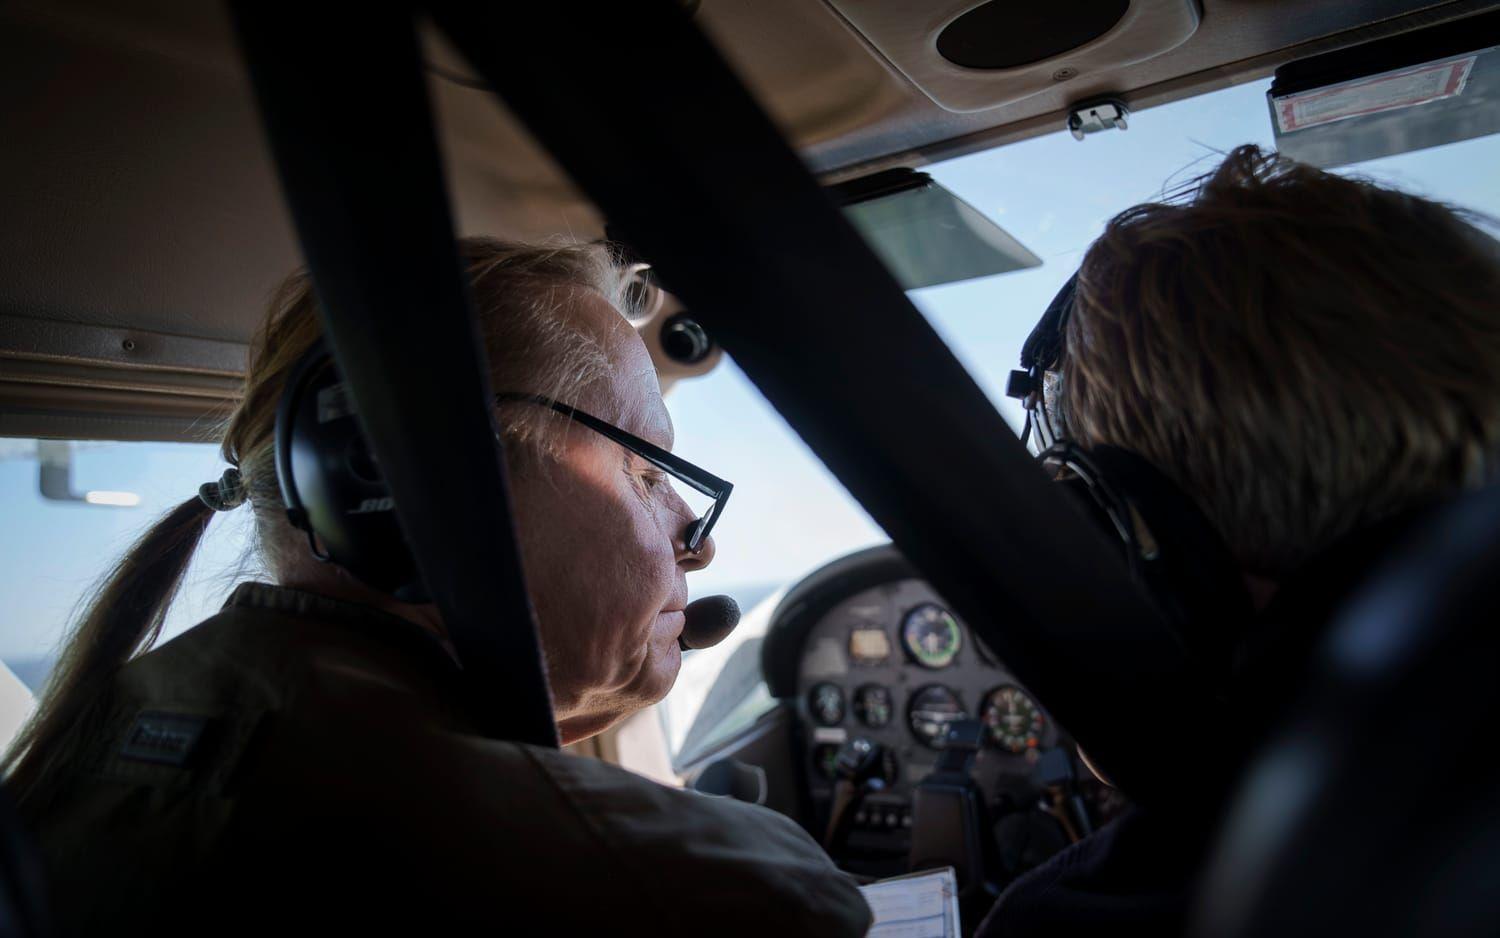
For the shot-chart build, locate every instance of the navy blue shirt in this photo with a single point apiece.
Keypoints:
(1132, 876)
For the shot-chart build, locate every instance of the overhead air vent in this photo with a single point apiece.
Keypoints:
(1001, 34)
(969, 56)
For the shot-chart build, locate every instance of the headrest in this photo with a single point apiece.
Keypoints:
(1278, 648)
(1371, 809)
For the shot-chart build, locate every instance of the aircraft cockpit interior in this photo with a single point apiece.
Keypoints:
(814, 466)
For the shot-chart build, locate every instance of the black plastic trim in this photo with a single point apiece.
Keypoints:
(833, 343)
(1428, 44)
(878, 185)
(351, 132)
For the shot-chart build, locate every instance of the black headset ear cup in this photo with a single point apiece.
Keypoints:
(1043, 349)
(332, 484)
(1173, 550)
(362, 463)
(1181, 560)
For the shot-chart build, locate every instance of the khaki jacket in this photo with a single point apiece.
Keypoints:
(296, 762)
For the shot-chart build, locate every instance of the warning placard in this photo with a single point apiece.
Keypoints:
(1391, 91)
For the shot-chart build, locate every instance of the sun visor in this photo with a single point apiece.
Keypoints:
(1417, 90)
(925, 234)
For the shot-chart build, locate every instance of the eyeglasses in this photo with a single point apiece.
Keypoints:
(678, 468)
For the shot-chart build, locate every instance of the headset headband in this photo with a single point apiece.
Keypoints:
(286, 410)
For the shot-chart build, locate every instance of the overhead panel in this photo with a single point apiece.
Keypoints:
(137, 194)
(969, 56)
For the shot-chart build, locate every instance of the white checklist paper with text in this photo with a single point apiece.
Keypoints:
(923, 905)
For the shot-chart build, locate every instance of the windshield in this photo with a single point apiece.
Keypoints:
(1054, 194)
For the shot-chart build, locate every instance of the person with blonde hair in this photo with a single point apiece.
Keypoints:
(307, 757)
(1310, 359)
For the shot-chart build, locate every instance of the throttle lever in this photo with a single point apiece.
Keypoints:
(948, 813)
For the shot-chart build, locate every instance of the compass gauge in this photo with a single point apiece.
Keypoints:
(931, 636)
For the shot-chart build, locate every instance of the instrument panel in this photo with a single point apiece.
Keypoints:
(892, 664)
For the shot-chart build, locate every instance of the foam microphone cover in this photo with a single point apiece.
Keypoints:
(709, 622)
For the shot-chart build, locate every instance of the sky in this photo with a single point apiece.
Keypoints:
(788, 515)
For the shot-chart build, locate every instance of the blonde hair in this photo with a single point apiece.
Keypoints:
(1302, 353)
(518, 291)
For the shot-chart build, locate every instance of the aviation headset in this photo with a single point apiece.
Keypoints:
(332, 485)
(1172, 548)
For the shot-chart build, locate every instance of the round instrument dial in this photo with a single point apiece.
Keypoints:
(826, 703)
(931, 635)
(1014, 721)
(931, 709)
(873, 705)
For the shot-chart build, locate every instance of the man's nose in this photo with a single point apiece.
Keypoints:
(689, 560)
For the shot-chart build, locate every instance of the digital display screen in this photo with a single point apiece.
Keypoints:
(869, 645)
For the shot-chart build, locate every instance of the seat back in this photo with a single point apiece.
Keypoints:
(22, 900)
(1371, 810)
